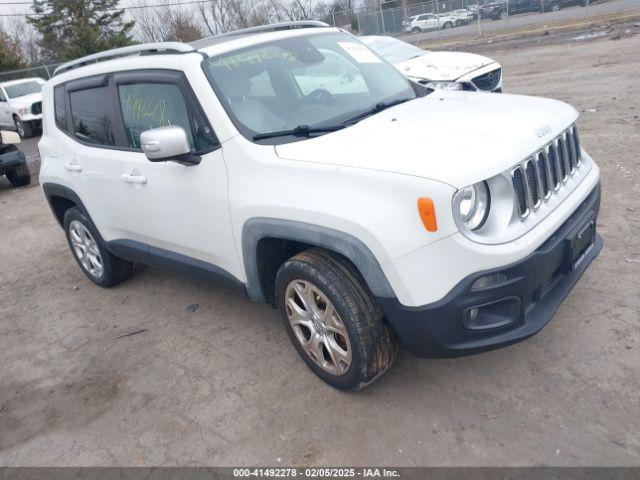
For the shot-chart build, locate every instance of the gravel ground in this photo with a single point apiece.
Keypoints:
(212, 379)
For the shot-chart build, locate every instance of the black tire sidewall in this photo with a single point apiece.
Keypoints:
(26, 128)
(303, 271)
(20, 176)
(76, 214)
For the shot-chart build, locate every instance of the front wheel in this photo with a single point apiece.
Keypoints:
(332, 320)
(416, 30)
(23, 128)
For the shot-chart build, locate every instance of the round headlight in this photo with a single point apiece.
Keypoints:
(472, 205)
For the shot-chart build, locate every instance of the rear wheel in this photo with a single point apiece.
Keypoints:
(20, 176)
(447, 25)
(96, 262)
(554, 7)
(332, 320)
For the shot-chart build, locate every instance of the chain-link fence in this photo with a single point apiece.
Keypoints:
(42, 71)
(456, 21)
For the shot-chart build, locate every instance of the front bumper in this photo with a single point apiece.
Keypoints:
(525, 301)
(34, 120)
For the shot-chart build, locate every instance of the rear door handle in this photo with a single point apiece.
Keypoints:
(72, 167)
(137, 179)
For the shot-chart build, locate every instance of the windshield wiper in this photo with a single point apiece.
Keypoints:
(299, 131)
(378, 107)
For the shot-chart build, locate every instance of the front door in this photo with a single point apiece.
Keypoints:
(176, 209)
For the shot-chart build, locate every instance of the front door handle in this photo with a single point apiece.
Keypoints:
(137, 179)
(72, 167)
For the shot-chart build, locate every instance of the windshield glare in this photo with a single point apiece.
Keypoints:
(22, 89)
(392, 49)
(313, 80)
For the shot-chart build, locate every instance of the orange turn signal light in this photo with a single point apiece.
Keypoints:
(427, 212)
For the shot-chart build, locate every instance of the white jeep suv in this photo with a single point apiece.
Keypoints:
(367, 209)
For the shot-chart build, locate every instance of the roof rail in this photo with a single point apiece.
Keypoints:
(141, 49)
(273, 27)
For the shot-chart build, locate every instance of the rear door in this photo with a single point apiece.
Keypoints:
(89, 151)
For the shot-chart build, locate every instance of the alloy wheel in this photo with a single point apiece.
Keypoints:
(318, 327)
(20, 128)
(86, 249)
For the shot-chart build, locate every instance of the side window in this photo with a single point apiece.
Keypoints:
(152, 105)
(59, 107)
(90, 116)
(2, 99)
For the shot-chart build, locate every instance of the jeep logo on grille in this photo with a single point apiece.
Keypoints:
(542, 131)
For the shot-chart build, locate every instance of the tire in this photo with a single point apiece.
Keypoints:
(356, 335)
(100, 266)
(23, 128)
(416, 30)
(20, 176)
(503, 15)
(447, 25)
(554, 7)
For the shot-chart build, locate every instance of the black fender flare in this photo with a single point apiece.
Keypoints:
(345, 244)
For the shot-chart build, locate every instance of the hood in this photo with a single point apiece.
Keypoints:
(442, 66)
(454, 137)
(26, 100)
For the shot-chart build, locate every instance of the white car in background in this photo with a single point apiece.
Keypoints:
(462, 16)
(439, 70)
(427, 21)
(21, 105)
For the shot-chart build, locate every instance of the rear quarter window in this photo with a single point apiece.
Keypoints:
(91, 117)
(59, 107)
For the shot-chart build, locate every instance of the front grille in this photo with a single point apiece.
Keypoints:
(532, 181)
(520, 189)
(544, 173)
(488, 81)
(552, 161)
(36, 108)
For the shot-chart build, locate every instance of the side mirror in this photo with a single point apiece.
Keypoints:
(9, 138)
(164, 144)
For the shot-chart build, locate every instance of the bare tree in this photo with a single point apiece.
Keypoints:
(219, 16)
(23, 38)
(165, 23)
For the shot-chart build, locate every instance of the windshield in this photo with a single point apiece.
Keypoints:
(22, 89)
(308, 81)
(392, 49)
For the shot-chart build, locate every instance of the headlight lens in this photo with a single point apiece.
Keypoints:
(472, 205)
(444, 86)
(23, 111)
